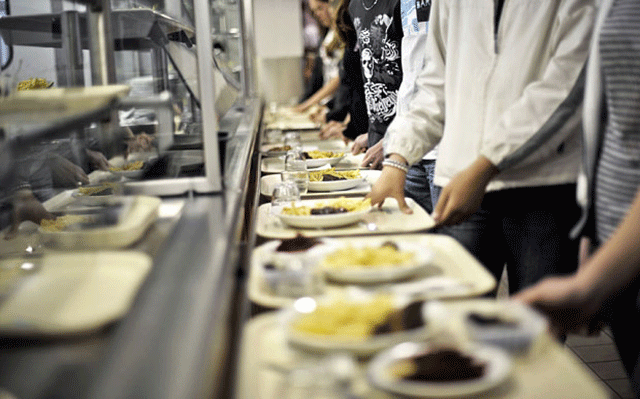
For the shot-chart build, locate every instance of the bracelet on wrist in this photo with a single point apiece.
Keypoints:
(395, 164)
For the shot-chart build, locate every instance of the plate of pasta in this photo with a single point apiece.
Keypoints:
(325, 213)
(333, 180)
(132, 170)
(378, 260)
(359, 323)
(317, 158)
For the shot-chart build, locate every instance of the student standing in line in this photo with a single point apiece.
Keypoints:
(347, 118)
(379, 29)
(500, 93)
(330, 53)
(415, 23)
(607, 284)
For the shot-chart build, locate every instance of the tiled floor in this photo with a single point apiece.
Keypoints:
(598, 354)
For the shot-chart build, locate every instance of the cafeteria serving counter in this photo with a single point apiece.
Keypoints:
(177, 340)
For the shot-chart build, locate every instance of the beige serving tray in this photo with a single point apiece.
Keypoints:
(142, 213)
(323, 145)
(268, 182)
(450, 260)
(69, 293)
(276, 164)
(266, 361)
(388, 220)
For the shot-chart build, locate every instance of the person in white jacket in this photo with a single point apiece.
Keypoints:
(607, 285)
(500, 93)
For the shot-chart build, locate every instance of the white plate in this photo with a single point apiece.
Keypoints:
(316, 162)
(130, 174)
(360, 347)
(269, 181)
(498, 367)
(381, 274)
(321, 221)
(526, 324)
(335, 185)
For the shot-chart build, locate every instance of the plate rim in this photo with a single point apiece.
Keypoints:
(497, 358)
(331, 220)
(376, 276)
(313, 186)
(364, 347)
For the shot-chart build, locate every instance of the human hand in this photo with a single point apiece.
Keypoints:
(332, 129)
(302, 107)
(140, 143)
(390, 184)
(97, 160)
(319, 115)
(360, 144)
(464, 193)
(374, 156)
(25, 207)
(65, 173)
(568, 302)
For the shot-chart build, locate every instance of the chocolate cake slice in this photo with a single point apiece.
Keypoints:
(444, 365)
(407, 318)
(298, 243)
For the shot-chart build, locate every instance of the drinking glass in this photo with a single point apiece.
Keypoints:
(292, 139)
(284, 193)
(273, 136)
(295, 170)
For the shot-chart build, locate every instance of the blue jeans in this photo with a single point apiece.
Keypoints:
(525, 228)
(419, 184)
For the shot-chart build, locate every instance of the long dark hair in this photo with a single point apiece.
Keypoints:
(344, 25)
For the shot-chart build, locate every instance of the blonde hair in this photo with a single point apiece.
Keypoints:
(337, 43)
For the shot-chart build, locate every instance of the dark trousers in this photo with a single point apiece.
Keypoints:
(525, 228)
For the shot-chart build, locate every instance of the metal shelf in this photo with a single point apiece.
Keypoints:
(131, 29)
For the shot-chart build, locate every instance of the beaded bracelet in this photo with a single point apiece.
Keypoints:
(395, 164)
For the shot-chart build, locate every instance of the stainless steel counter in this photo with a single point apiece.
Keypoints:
(178, 339)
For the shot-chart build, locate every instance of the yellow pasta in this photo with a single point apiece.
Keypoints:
(61, 222)
(137, 165)
(88, 191)
(315, 154)
(346, 174)
(373, 257)
(350, 204)
(33, 83)
(344, 319)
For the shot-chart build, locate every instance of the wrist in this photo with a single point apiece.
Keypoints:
(397, 158)
(403, 166)
(591, 287)
(485, 168)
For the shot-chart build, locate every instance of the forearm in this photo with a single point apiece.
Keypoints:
(617, 262)
(328, 89)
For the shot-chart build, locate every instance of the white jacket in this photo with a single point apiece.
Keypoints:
(514, 97)
(593, 127)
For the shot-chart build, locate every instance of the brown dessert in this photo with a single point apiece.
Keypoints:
(407, 318)
(444, 365)
(328, 210)
(280, 148)
(491, 321)
(328, 177)
(298, 243)
(390, 244)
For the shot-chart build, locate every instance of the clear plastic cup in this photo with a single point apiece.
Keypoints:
(273, 136)
(295, 170)
(292, 139)
(284, 193)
